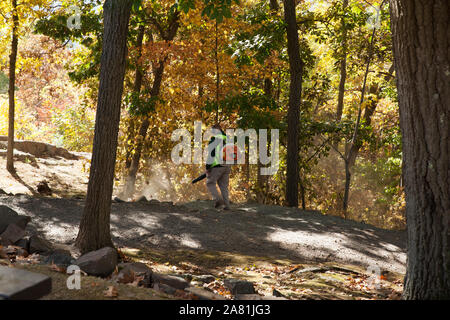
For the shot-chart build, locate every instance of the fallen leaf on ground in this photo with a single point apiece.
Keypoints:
(111, 292)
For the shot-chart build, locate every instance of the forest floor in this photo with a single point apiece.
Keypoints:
(301, 254)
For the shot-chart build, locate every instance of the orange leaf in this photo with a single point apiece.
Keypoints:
(111, 292)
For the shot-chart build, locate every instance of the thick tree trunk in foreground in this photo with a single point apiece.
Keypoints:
(421, 30)
(295, 93)
(94, 230)
(11, 89)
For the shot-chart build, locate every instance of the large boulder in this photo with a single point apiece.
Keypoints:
(39, 245)
(99, 263)
(239, 286)
(9, 216)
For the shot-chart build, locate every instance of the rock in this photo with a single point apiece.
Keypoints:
(141, 199)
(277, 293)
(100, 263)
(256, 297)
(23, 243)
(207, 278)
(154, 201)
(2, 191)
(17, 284)
(173, 281)
(12, 234)
(40, 245)
(164, 288)
(239, 286)
(186, 276)
(61, 258)
(9, 216)
(203, 294)
(43, 188)
(129, 271)
(117, 199)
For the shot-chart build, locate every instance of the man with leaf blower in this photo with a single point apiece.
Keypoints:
(218, 167)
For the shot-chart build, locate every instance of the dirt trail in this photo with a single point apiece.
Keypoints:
(257, 230)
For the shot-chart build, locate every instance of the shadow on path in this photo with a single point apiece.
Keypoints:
(256, 230)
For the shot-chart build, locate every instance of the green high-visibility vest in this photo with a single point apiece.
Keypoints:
(217, 153)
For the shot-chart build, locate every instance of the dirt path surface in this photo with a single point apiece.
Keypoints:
(257, 230)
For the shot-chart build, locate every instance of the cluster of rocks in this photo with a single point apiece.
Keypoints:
(15, 243)
(105, 263)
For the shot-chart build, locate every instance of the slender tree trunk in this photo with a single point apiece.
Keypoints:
(295, 92)
(136, 90)
(343, 78)
(130, 181)
(11, 88)
(216, 58)
(348, 176)
(94, 230)
(352, 151)
(421, 30)
(167, 35)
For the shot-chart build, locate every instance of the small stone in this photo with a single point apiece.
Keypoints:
(117, 199)
(239, 286)
(207, 278)
(203, 294)
(100, 263)
(277, 293)
(40, 245)
(61, 258)
(141, 199)
(43, 188)
(164, 288)
(173, 281)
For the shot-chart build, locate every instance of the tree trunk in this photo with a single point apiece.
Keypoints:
(167, 35)
(136, 90)
(343, 63)
(11, 88)
(94, 230)
(130, 180)
(295, 92)
(421, 41)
